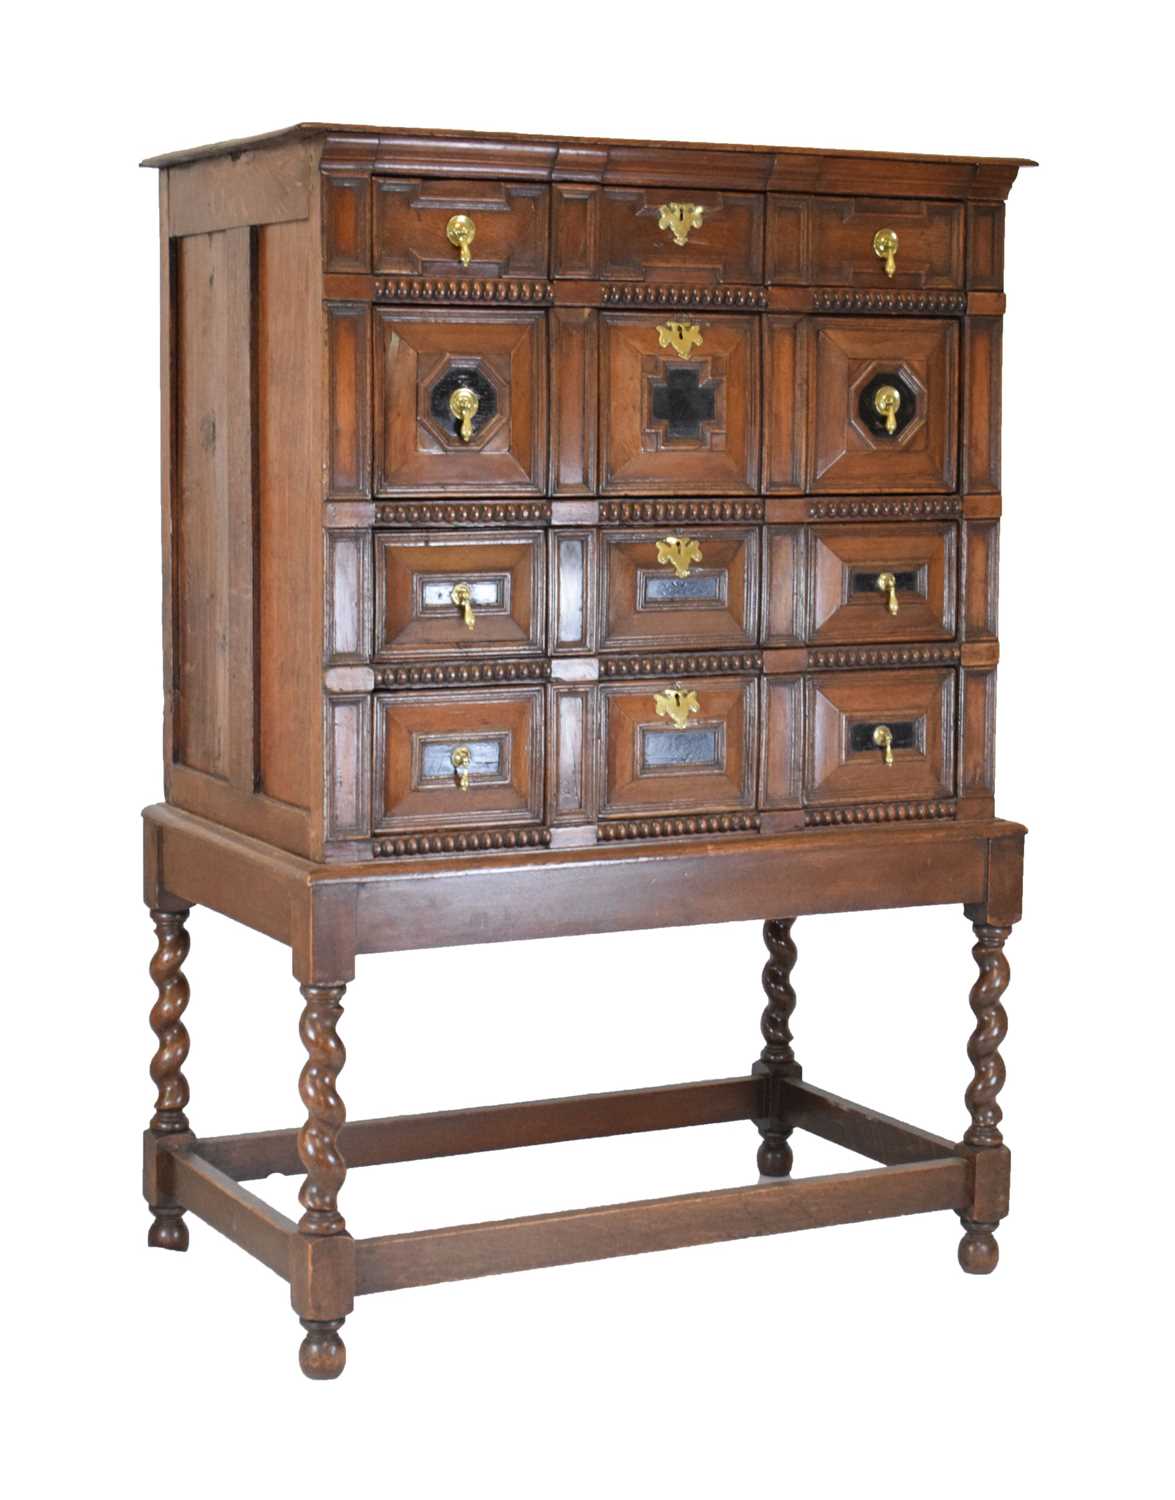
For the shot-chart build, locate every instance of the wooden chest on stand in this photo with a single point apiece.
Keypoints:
(571, 536)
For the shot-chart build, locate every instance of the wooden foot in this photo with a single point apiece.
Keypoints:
(168, 1230)
(777, 1060)
(978, 1252)
(322, 1354)
(983, 1142)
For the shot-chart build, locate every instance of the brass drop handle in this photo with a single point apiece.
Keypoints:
(886, 403)
(461, 758)
(883, 739)
(679, 219)
(462, 596)
(888, 585)
(459, 231)
(885, 247)
(679, 552)
(463, 403)
(676, 704)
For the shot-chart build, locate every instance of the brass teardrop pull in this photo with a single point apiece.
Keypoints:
(886, 403)
(888, 585)
(885, 247)
(459, 231)
(461, 757)
(462, 596)
(883, 739)
(463, 403)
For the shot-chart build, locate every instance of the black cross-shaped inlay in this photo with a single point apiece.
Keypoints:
(683, 402)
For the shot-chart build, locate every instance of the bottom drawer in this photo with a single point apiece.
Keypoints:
(458, 759)
(679, 746)
(879, 736)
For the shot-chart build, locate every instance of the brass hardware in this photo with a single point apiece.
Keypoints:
(676, 704)
(886, 402)
(680, 218)
(888, 585)
(885, 247)
(459, 231)
(460, 759)
(462, 596)
(682, 336)
(680, 551)
(883, 739)
(463, 403)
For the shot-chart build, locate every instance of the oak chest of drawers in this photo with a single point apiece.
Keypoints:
(566, 536)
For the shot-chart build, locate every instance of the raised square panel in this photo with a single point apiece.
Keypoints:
(882, 583)
(846, 714)
(423, 445)
(679, 404)
(857, 365)
(695, 589)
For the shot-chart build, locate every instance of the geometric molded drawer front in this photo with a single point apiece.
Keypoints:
(928, 251)
(460, 402)
(412, 219)
(458, 759)
(883, 404)
(679, 404)
(678, 235)
(452, 592)
(696, 588)
(879, 736)
(881, 583)
(681, 746)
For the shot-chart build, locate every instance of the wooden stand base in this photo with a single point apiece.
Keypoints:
(917, 1172)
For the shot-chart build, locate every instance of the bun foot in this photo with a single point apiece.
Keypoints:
(775, 1157)
(978, 1252)
(323, 1353)
(168, 1230)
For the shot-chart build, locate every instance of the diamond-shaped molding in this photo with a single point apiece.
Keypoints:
(868, 372)
(442, 377)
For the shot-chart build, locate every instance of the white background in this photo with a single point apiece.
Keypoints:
(849, 1361)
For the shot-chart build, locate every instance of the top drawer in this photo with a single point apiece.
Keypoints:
(680, 235)
(893, 243)
(450, 226)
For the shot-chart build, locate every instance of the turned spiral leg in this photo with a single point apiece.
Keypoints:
(168, 1230)
(777, 1061)
(978, 1251)
(323, 1353)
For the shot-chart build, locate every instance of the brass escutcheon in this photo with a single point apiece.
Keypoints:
(679, 551)
(459, 231)
(676, 704)
(883, 739)
(888, 585)
(461, 758)
(886, 402)
(679, 219)
(680, 336)
(885, 247)
(462, 596)
(463, 403)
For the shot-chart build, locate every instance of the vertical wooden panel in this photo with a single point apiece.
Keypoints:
(240, 395)
(574, 365)
(977, 733)
(348, 587)
(980, 580)
(786, 392)
(783, 586)
(168, 386)
(571, 758)
(788, 239)
(349, 437)
(348, 749)
(782, 754)
(982, 344)
(575, 235)
(985, 246)
(573, 590)
(346, 222)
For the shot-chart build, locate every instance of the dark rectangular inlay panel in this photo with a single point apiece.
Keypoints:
(436, 764)
(905, 582)
(703, 586)
(904, 735)
(682, 749)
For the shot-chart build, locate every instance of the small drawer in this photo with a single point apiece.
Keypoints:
(683, 746)
(695, 588)
(879, 737)
(881, 243)
(680, 235)
(455, 593)
(447, 227)
(679, 404)
(883, 405)
(460, 402)
(458, 759)
(881, 583)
